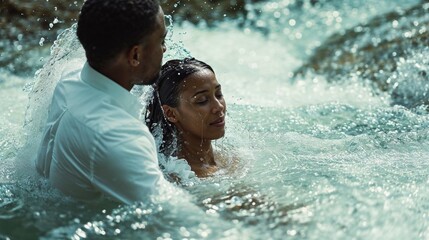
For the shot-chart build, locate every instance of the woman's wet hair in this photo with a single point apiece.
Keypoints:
(107, 27)
(166, 92)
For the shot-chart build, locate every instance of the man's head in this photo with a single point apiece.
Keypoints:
(133, 28)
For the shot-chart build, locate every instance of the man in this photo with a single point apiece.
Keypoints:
(94, 144)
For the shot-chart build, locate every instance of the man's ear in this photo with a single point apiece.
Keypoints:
(134, 55)
(170, 113)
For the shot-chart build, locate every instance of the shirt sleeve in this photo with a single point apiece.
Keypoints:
(125, 165)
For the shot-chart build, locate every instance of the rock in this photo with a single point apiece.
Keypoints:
(29, 28)
(210, 11)
(374, 50)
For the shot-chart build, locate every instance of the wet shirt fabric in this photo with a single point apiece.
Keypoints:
(94, 144)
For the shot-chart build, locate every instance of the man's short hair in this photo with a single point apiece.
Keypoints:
(107, 27)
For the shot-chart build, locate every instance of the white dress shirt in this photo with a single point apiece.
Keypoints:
(94, 143)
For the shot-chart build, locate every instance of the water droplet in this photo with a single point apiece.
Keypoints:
(291, 232)
(42, 40)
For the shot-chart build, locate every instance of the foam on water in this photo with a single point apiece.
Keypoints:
(259, 72)
(411, 81)
(321, 160)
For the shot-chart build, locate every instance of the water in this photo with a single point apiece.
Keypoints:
(320, 159)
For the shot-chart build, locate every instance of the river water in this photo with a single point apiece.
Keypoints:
(319, 159)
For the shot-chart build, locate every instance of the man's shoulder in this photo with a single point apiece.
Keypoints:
(107, 119)
(73, 68)
(106, 129)
(71, 71)
(69, 82)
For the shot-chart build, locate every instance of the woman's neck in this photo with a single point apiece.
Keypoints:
(199, 155)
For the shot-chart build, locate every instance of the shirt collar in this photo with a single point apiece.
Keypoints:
(124, 98)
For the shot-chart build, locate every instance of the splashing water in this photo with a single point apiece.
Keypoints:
(318, 159)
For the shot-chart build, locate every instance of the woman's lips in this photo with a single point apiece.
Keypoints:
(220, 122)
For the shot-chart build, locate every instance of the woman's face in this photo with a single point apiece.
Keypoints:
(201, 110)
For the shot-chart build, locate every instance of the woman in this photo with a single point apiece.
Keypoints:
(188, 112)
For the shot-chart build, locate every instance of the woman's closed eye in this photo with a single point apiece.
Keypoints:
(201, 101)
(219, 95)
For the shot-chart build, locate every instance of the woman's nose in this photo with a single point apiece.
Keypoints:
(219, 106)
